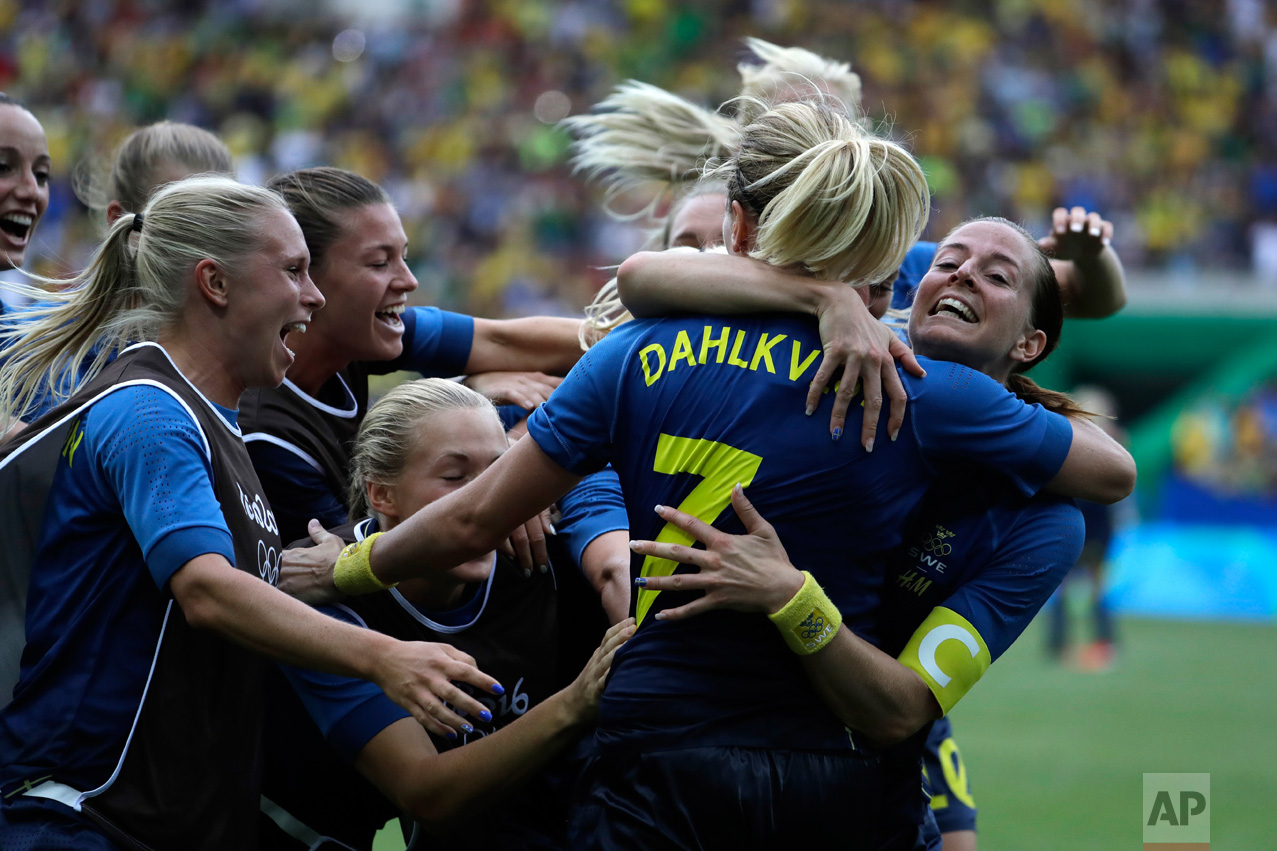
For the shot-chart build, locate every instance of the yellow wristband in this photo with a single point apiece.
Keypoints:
(353, 574)
(810, 620)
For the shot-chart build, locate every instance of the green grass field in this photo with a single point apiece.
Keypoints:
(1056, 757)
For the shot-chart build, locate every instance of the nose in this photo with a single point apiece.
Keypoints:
(311, 296)
(964, 275)
(27, 187)
(405, 281)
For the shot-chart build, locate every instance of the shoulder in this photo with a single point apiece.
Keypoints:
(947, 381)
(140, 412)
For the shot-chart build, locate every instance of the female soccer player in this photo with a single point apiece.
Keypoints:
(423, 440)
(135, 719)
(696, 712)
(148, 158)
(299, 434)
(24, 180)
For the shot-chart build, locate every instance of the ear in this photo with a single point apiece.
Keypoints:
(382, 499)
(1031, 344)
(113, 211)
(212, 282)
(741, 232)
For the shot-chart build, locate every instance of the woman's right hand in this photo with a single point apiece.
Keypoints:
(587, 688)
(421, 677)
(866, 351)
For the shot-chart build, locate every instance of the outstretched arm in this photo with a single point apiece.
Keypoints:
(546, 344)
(439, 789)
(867, 689)
(1092, 281)
(214, 595)
(654, 283)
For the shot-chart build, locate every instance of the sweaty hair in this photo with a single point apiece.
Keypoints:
(136, 166)
(390, 431)
(829, 196)
(318, 196)
(133, 288)
(792, 73)
(642, 139)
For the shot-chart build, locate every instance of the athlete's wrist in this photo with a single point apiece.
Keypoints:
(785, 589)
(810, 620)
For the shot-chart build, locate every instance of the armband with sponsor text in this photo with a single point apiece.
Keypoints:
(810, 620)
(353, 574)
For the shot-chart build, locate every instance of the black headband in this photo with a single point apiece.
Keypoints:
(137, 222)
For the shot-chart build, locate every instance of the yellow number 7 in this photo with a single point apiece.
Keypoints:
(721, 466)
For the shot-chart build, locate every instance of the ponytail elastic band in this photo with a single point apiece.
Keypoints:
(137, 222)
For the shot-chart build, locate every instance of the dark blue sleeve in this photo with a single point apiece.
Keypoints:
(1029, 564)
(592, 508)
(296, 490)
(148, 451)
(436, 343)
(575, 426)
(349, 712)
(916, 264)
(959, 415)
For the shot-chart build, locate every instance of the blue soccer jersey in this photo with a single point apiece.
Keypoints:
(915, 265)
(979, 561)
(684, 409)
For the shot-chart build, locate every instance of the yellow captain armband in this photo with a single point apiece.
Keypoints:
(353, 574)
(949, 654)
(809, 620)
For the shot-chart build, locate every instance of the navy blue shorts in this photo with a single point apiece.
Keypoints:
(38, 824)
(946, 776)
(737, 799)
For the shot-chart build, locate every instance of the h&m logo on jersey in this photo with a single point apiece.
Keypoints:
(932, 549)
(258, 511)
(814, 630)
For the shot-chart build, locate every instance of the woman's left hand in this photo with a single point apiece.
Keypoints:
(525, 389)
(747, 573)
(307, 572)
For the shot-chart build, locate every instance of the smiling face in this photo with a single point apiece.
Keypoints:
(973, 305)
(269, 296)
(24, 182)
(366, 280)
(452, 448)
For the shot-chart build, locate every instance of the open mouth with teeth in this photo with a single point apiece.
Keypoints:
(392, 315)
(299, 327)
(17, 225)
(954, 307)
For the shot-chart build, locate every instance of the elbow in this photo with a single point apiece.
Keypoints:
(433, 808)
(199, 605)
(634, 267)
(892, 729)
(1120, 483)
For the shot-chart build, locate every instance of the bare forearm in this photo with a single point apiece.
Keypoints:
(658, 283)
(868, 690)
(1097, 467)
(1093, 287)
(606, 564)
(450, 786)
(546, 344)
(241, 608)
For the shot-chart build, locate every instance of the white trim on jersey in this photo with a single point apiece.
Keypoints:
(263, 437)
(444, 628)
(328, 409)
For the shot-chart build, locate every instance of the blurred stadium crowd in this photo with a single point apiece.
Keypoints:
(1159, 114)
(1231, 449)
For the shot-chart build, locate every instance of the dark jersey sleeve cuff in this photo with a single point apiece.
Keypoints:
(349, 736)
(1056, 442)
(181, 545)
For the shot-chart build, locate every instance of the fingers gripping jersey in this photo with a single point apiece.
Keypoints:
(686, 408)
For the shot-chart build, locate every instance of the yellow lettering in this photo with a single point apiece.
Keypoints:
(763, 352)
(708, 342)
(797, 369)
(734, 358)
(682, 351)
(647, 370)
(72, 442)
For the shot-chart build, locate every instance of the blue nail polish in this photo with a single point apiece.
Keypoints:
(640, 580)
(452, 735)
(466, 728)
(497, 689)
(485, 715)
(838, 433)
